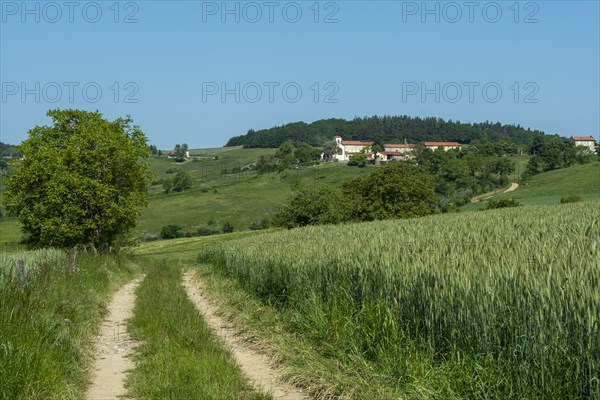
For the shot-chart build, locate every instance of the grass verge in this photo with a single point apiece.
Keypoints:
(48, 320)
(306, 364)
(178, 358)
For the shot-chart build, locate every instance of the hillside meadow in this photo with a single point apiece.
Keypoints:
(245, 198)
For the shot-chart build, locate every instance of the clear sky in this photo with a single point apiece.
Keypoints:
(200, 72)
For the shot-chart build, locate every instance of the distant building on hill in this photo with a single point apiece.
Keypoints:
(347, 148)
(444, 145)
(587, 141)
(173, 154)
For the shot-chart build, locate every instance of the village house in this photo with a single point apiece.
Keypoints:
(347, 148)
(397, 151)
(173, 154)
(587, 141)
(444, 145)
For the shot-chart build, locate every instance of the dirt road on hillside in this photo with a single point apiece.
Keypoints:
(254, 365)
(114, 347)
(512, 187)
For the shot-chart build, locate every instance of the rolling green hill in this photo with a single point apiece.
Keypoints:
(239, 199)
(387, 128)
(244, 198)
(549, 187)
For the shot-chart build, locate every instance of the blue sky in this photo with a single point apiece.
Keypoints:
(200, 72)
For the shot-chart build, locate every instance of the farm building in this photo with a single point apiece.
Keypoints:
(391, 151)
(444, 145)
(173, 154)
(587, 141)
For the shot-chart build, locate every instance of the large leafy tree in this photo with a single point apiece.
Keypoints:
(81, 181)
(312, 206)
(396, 190)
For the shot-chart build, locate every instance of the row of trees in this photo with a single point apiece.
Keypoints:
(386, 129)
(287, 156)
(553, 152)
(180, 151)
(461, 174)
(396, 190)
(436, 180)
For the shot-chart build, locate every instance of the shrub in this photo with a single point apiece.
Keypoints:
(227, 227)
(392, 191)
(312, 206)
(173, 170)
(570, 199)
(262, 224)
(358, 159)
(502, 203)
(203, 231)
(171, 232)
(182, 181)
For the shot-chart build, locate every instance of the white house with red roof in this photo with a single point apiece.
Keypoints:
(348, 147)
(397, 151)
(391, 152)
(587, 141)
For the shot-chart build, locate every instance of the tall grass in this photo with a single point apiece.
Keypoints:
(499, 304)
(48, 320)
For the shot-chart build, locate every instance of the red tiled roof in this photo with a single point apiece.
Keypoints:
(583, 138)
(401, 146)
(356, 143)
(443, 144)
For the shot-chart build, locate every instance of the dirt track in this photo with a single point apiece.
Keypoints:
(114, 347)
(255, 366)
(512, 187)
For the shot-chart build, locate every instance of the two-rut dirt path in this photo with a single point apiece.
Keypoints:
(255, 366)
(114, 347)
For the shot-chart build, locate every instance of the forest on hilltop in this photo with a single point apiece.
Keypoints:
(390, 129)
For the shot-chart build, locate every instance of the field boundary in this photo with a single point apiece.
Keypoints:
(256, 366)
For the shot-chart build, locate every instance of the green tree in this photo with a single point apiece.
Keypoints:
(181, 152)
(285, 155)
(455, 169)
(307, 154)
(182, 181)
(83, 180)
(330, 149)
(312, 206)
(167, 185)
(580, 155)
(358, 159)
(227, 227)
(378, 145)
(395, 190)
(265, 163)
(171, 232)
